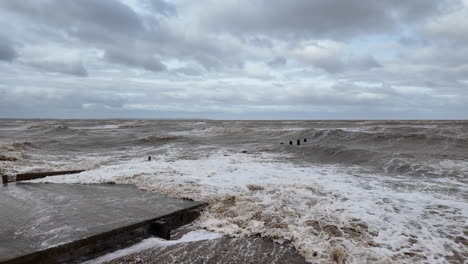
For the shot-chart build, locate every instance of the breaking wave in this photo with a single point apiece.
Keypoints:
(17, 146)
(393, 153)
(159, 138)
(322, 210)
(378, 191)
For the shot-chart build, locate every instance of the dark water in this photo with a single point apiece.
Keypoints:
(418, 148)
(382, 191)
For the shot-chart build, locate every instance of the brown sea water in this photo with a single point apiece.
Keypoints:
(383, 191)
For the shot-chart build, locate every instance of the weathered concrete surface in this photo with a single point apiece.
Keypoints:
(242, 250)
(53, 217)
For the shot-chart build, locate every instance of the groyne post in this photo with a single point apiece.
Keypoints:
(5, 179)
(298, 142)
(161, 229)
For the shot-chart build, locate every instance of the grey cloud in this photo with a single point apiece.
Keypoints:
(353, 98)
(278, 61)
(314, 18)
(206, 61)
(330, 64)
(72, 16)
(337, 64)
(449, 28)
(66, 67)
(191, 70)
(105, 99)
(226, 98)
(363, 63)
(161, 7)
(132, 58)
(260, 41)
(58, 102)
(442, 42)
(7, 51)
(110, 25)
(92, 23)
(411, 41)
(333, 57)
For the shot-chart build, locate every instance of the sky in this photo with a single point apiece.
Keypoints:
(234, 59)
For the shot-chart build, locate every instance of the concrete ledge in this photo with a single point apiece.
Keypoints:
(35, 175)
(97, 245)
(72, 223)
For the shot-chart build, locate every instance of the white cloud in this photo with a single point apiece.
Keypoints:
(257, 70)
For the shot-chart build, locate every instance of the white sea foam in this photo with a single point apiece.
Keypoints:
(374, 218)
(206, 131)
(197, 235)
(96, 127)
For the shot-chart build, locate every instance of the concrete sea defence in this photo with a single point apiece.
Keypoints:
(68, 223)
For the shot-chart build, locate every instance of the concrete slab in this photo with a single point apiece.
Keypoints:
(41, 217)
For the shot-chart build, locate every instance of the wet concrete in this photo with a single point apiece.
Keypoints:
(59, 217)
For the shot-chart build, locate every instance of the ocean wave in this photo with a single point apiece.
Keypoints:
(400, 137)
(212, 131)
(158, 138)
(126, 126)
(322, 210)
(17, 146)
(23, 145)
(39, 126)
(10, 157)
(394, 153)
(340, 154)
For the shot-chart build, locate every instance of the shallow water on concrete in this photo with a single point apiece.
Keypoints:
(36, 216)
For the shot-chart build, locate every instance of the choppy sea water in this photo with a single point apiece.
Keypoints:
(365, 191)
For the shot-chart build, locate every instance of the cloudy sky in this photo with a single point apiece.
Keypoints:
(234, 59)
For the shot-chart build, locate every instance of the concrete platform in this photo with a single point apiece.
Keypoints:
(47, 223)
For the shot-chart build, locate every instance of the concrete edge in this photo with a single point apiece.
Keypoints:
(35, 175)
(100, 244)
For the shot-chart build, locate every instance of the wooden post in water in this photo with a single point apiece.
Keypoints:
(298, 142)
(305, 139)
(161, 229)
(5, 179)
(290, 142)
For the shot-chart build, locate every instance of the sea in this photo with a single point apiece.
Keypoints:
(373, 191)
